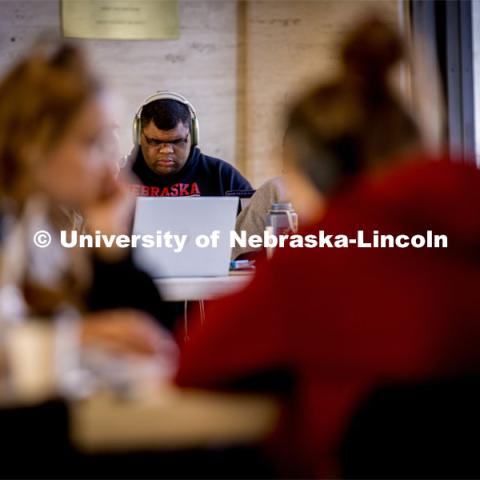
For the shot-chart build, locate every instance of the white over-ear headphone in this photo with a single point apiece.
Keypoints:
(165, 95)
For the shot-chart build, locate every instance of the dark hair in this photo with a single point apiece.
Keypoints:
(166, 114)
(39, 98)
(354, 123)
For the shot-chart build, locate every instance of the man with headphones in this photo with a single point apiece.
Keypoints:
(167, 160)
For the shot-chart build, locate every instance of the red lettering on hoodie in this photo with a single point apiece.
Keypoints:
(184, 190)
(176, 190)
(195, 190)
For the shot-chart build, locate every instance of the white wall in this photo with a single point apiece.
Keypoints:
(292, 45)
(201, 64)
(238, 62)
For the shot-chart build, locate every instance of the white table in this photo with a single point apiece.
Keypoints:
(201, 288)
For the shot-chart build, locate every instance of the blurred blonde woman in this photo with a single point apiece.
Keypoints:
(54, 126)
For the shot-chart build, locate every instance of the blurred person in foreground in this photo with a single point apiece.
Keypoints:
(55, 161)
(341, 322)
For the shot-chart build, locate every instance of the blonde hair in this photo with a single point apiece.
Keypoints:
(39, 98)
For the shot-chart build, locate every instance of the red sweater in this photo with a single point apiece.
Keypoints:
(345, 321)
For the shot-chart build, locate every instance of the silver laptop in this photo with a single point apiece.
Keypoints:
(184, 216)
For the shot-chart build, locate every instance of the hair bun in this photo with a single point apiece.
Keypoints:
(371, 50)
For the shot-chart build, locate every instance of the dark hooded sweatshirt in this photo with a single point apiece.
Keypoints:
(201, 175)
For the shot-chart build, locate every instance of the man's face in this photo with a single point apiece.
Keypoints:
(165, 151)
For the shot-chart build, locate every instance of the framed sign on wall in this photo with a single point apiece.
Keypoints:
(121, 19)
